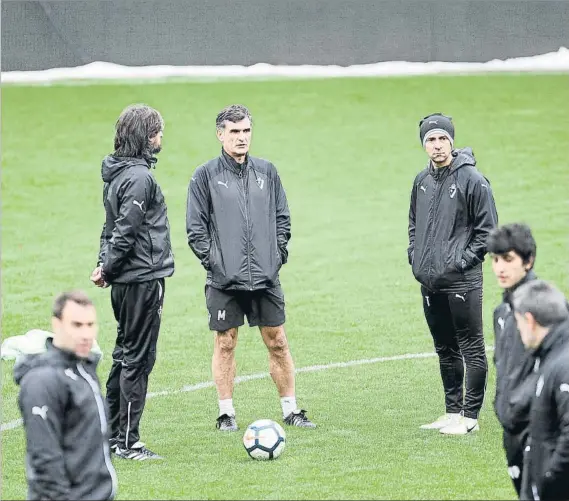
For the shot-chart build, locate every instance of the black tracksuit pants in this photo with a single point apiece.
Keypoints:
(137, 308)
(455, 322)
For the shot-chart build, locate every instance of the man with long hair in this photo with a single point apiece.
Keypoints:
(135, 257)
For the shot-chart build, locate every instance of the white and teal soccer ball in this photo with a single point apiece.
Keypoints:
(264, 439)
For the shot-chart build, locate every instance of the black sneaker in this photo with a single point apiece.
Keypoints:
(138, 452)
(298, 418)
(226, 422)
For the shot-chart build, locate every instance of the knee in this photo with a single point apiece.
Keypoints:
(226, 341)
(277, 343)
(445, 350)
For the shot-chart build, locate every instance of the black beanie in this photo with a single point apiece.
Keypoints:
(436, 123)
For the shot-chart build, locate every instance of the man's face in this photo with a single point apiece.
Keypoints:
(526, 325)
(439, 149)
(77, 329)
(509, 268)
(236, 137)
(156, 143)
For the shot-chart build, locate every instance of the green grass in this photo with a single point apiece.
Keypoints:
(347, 152)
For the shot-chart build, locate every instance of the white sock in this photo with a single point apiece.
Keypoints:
(288, 404)
(226, 407)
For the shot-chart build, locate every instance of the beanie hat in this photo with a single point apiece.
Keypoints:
(437, 123)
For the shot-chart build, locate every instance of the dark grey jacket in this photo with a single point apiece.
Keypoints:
(452, 211)
(66, 427)
(547, 460)
(238, 222)
(135, 241)
(514, 367)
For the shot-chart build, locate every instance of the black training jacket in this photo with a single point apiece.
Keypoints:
(238, 222)
(514, 366)
(135, 241)
(67, 451)
(452, 211)
(547, 460)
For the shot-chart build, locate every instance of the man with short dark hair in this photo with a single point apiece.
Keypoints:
(238, 226)
(64, 415)
(542, 317)
(135, 257)
(512, 249)
(452, 211)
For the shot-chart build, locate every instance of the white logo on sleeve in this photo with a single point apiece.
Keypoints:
(223, 184)
(423, 188)
(564, 388)
(40, 411)
(139, 204)
(501, 322)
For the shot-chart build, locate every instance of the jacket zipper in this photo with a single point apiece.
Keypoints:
(431, 230)
(435, 207)
(103, 420)
(247, 230)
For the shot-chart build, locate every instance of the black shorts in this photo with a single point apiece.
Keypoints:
(227, 308)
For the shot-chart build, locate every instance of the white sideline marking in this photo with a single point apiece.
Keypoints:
(261, 375)
(99, 70)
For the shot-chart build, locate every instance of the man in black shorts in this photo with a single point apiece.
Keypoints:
(238, 225)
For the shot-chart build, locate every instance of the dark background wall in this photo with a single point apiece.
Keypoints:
(39, 35)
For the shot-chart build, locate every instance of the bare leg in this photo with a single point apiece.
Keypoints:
(281, 365)
(223, 362)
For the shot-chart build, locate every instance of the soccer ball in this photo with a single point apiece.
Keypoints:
(264, 439)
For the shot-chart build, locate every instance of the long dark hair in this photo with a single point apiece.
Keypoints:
(134, 128)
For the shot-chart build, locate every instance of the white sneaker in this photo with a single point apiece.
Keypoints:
(442, 422)
(463, 426)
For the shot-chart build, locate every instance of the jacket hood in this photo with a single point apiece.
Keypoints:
(53, 356)
(113, 166)
(461, 158)
(24, 365)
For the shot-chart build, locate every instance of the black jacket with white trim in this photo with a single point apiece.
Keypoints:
(546, 475)
(451, 213)
(67, 449)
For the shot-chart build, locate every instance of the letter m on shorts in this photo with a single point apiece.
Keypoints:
(221, 314)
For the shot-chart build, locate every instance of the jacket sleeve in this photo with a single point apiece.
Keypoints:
(483, 216)
(283, 219)
(198, 219)
(557, 469)
(103, 243)
(134, 197)
(104, 240)
(412, 206)
(42, 403)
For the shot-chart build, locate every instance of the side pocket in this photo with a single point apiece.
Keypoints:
(458, 257)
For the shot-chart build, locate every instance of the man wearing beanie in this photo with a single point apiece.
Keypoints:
(452, 212)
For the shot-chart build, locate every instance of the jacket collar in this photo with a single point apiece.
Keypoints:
(508, 293)
(557, 336)
(230, 163)
(68, 357)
